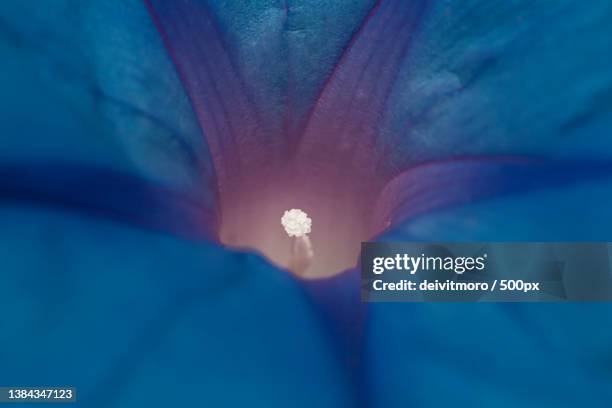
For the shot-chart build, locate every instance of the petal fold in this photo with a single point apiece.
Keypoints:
(135, 318)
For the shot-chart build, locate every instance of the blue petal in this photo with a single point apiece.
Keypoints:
(491, 78)
(518, 77)
(96, 127)
(572, 212)
(133, 318)
(282, 51)
(91, 83)
(504, 355)
(501, 355)
(430, 187)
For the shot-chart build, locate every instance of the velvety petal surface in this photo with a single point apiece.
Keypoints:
(498, 354)
(135, 318)
(516, 77)
(507, 104)
(88, 85)
(486, 80)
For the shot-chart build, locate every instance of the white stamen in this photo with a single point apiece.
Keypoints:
(296, 222)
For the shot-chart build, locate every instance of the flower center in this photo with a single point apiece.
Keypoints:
(339, 207)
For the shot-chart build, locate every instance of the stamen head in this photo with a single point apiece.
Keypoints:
(296, 222)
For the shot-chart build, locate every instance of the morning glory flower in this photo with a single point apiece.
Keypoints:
(150, 148)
